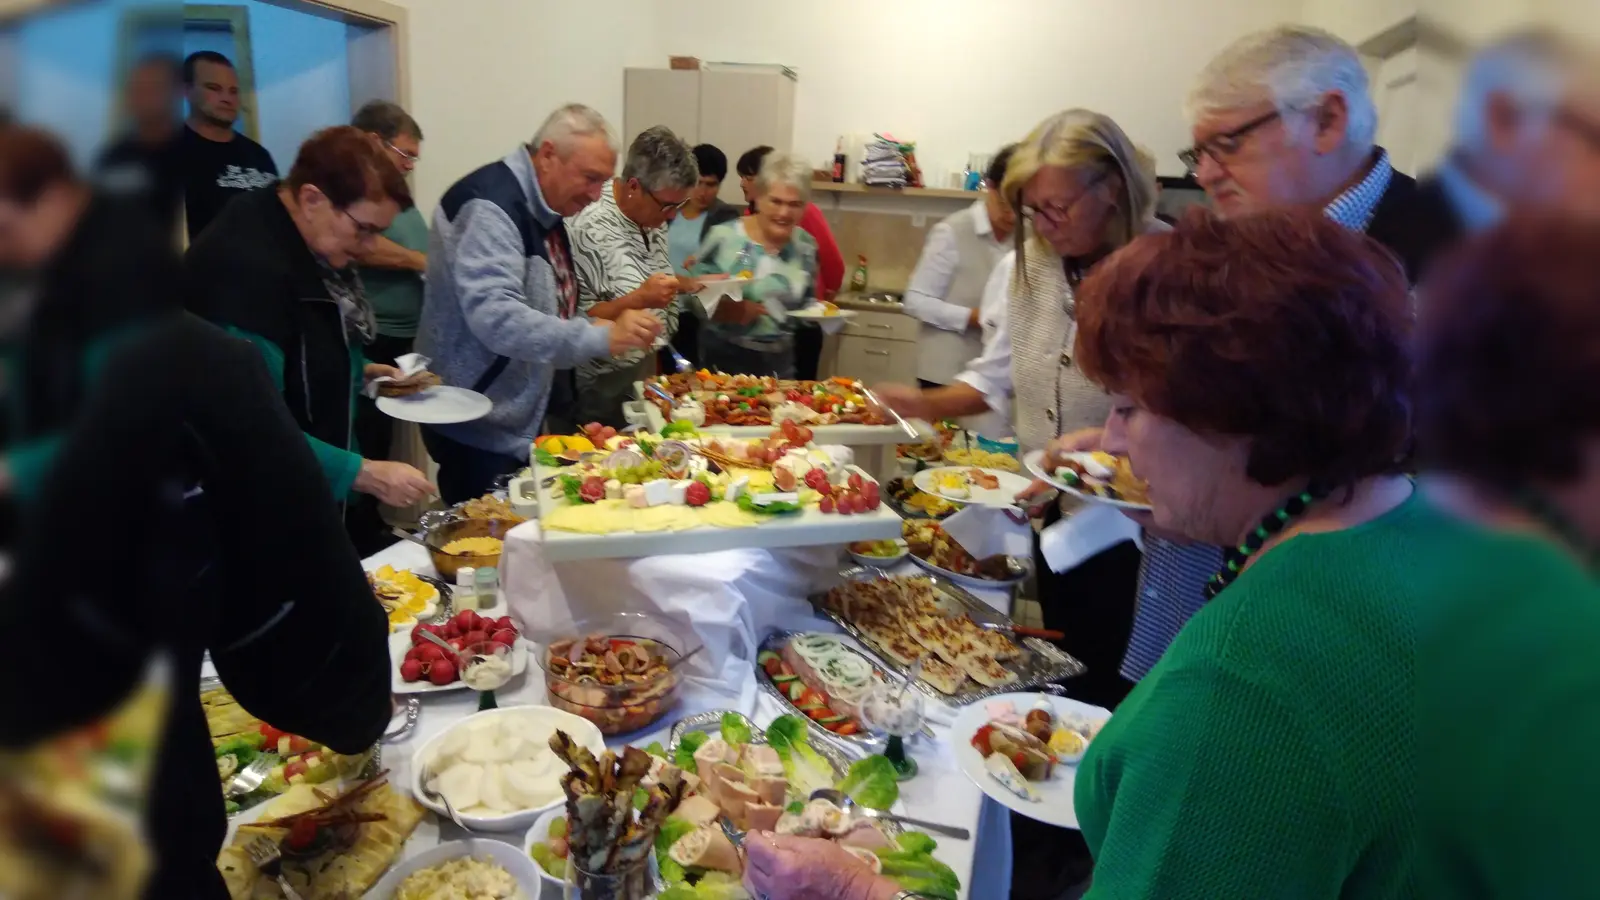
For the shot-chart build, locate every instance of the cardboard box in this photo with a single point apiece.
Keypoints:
(689, 63)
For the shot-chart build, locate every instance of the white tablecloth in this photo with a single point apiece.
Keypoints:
(732, 599)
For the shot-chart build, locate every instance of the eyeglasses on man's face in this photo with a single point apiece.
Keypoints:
(412, 158)
(1224, 145)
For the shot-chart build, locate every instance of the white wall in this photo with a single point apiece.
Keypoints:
(485, 73)
(962, 78)
(956, 77)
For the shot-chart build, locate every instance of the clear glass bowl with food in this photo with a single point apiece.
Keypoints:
(619, 671)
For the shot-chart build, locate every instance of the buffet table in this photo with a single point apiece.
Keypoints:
(736, 597)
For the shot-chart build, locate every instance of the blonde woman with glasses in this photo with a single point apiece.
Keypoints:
(1086, 191)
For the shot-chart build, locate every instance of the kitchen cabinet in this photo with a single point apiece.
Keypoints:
(875, 346)
(733, 108)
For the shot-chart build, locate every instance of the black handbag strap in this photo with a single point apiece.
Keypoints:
(481, 386)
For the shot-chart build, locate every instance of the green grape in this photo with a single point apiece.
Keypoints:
(558, 827)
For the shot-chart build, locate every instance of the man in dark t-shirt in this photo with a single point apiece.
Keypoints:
(218, 162)
(145, 164)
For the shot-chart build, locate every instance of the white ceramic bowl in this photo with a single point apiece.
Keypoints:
(580, 729)
(521, 866)
(537, 835)
(881, 562)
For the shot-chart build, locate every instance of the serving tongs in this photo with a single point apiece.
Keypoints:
(910, 431)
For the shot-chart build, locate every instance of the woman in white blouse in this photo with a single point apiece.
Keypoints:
(1085, 190)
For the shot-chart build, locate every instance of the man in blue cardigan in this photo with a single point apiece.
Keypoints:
(499, 314)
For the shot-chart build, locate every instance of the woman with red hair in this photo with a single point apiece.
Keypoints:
(1260, 373)
(1508, 404)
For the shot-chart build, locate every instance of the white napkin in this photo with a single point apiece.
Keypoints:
(1087, 533)
(712, 294)
(409, 364)
(986, 531)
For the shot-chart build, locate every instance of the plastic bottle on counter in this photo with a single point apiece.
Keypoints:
(466, 593)
(858, 279)
(838, 161)
(488, 581)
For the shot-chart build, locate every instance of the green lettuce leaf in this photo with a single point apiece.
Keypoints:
(796, 808)
(570, 485)
(545, 458)
(805, 768)
(734, 730)
(871, 782)
(655, 749)
(683, 756)
(719, 886)
(913, 867)
(672, 831)
(917, 842)
(648, 448)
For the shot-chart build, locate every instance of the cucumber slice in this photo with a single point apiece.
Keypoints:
(796, 690)
(784, 679)
(766, 656)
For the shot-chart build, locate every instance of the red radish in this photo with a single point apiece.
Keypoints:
(442, 672)
(503, 623)
(826, 504)
(429, 653)
(472, 638)
(854, 481)
(463, 620)
(417, 634)
(457, 644)
(505, 636)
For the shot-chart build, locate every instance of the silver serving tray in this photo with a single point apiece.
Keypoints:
(711, 723)
(1041, 663)
(863, 740)
(1020, 571)
(370, 770)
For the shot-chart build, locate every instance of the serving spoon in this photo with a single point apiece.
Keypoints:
(843, 801)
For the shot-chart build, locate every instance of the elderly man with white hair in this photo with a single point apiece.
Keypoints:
(1527, 130)
(619, 244)
(500, 312)
(1283, 118)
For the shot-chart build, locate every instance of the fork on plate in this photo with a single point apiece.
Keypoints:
(268, 858)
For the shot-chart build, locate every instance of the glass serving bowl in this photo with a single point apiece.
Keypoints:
(616, 702)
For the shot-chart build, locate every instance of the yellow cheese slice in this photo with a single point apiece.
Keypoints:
(727, 515)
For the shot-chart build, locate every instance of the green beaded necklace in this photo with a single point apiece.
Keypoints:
(1234, 559)
(1540, 507)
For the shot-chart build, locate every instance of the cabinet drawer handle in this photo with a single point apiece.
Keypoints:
(878, 352)
(880, 325)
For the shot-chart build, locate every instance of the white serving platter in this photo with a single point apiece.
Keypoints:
(808, 528)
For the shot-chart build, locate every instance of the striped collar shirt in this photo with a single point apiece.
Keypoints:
(1354, 208)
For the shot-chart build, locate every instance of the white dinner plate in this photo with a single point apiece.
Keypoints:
(969, 580)
(400, 642)
(1034, 460)
(440, 404)
(1011, 484)
(818, 312)
(1054, 806)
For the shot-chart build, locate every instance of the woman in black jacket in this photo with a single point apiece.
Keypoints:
(275, 267)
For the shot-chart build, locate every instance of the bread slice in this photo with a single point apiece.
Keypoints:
(985, 670)
(943, 676)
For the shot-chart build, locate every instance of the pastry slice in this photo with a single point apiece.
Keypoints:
(956, 647)
(986, 671)
(929, 632)
(943, 676)
(992, 642)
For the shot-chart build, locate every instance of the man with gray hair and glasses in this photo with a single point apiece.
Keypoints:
(500, 310)
(1284, 118)
(1527, 130)
(619, 246)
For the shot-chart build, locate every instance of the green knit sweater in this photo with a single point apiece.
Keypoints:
(1271, 752)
